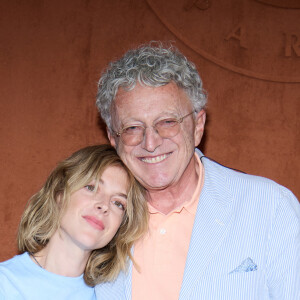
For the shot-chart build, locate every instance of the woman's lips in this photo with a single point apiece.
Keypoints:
(94, 222)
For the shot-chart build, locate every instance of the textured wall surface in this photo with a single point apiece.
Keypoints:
(52, 54)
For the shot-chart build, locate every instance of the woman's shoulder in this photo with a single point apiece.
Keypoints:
(15, 262)
(20, 277)
(10, 274)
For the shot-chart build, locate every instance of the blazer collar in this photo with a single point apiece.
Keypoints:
(212, 222)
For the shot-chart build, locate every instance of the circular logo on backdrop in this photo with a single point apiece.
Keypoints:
(256, 38)
(282, 3)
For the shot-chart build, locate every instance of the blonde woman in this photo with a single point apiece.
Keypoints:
(77, 231)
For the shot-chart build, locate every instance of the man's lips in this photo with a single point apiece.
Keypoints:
(94, 222)
(155, 159)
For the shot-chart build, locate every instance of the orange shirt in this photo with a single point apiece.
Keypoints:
(162, 253)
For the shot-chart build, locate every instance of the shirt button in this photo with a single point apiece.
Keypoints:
(162, 231)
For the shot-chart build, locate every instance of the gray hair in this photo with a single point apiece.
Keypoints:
(151, 65)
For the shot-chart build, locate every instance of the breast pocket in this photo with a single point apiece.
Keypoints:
(234, 286)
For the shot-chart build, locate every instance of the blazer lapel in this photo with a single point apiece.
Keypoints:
(120, 289)
(128, 281)
(212, 222)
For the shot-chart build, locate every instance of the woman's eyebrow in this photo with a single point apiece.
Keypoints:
(122, 195)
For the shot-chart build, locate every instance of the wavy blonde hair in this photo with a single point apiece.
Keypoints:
(42, 215)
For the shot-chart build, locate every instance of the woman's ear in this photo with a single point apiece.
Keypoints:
(59, 200)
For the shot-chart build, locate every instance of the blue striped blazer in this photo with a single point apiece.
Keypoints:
(245, 242)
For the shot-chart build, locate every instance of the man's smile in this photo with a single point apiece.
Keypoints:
(155, 159)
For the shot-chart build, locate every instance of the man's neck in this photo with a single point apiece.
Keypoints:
(175, 195)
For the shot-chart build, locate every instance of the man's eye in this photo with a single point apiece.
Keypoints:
(166, 123)
(90, 187)
(133, 129)
(119, 204)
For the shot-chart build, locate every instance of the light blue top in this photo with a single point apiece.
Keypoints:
(245, 243)
(21, 278)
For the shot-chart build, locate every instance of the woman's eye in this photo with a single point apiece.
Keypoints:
(119, 204)
(90, 187)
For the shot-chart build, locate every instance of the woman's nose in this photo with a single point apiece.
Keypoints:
(102, 205)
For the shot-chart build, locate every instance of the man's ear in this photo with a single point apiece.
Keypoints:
(199, 126)
(111, 138)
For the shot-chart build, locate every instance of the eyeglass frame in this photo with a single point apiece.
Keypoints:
(178, 120)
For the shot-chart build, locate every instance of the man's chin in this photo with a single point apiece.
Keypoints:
(155, 185)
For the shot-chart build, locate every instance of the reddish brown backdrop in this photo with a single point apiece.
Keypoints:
(52, 53)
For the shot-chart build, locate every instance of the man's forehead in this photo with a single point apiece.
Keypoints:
(148, 98)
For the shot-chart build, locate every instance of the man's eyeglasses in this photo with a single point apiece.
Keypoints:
(133, 135)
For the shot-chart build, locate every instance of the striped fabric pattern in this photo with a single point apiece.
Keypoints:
(240, 219)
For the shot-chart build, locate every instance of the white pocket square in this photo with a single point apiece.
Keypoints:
(246, 266)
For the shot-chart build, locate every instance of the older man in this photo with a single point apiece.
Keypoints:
(213, 233)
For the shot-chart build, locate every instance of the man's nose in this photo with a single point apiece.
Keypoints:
(151, 140)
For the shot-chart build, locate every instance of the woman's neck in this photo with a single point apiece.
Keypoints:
(59, 258)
